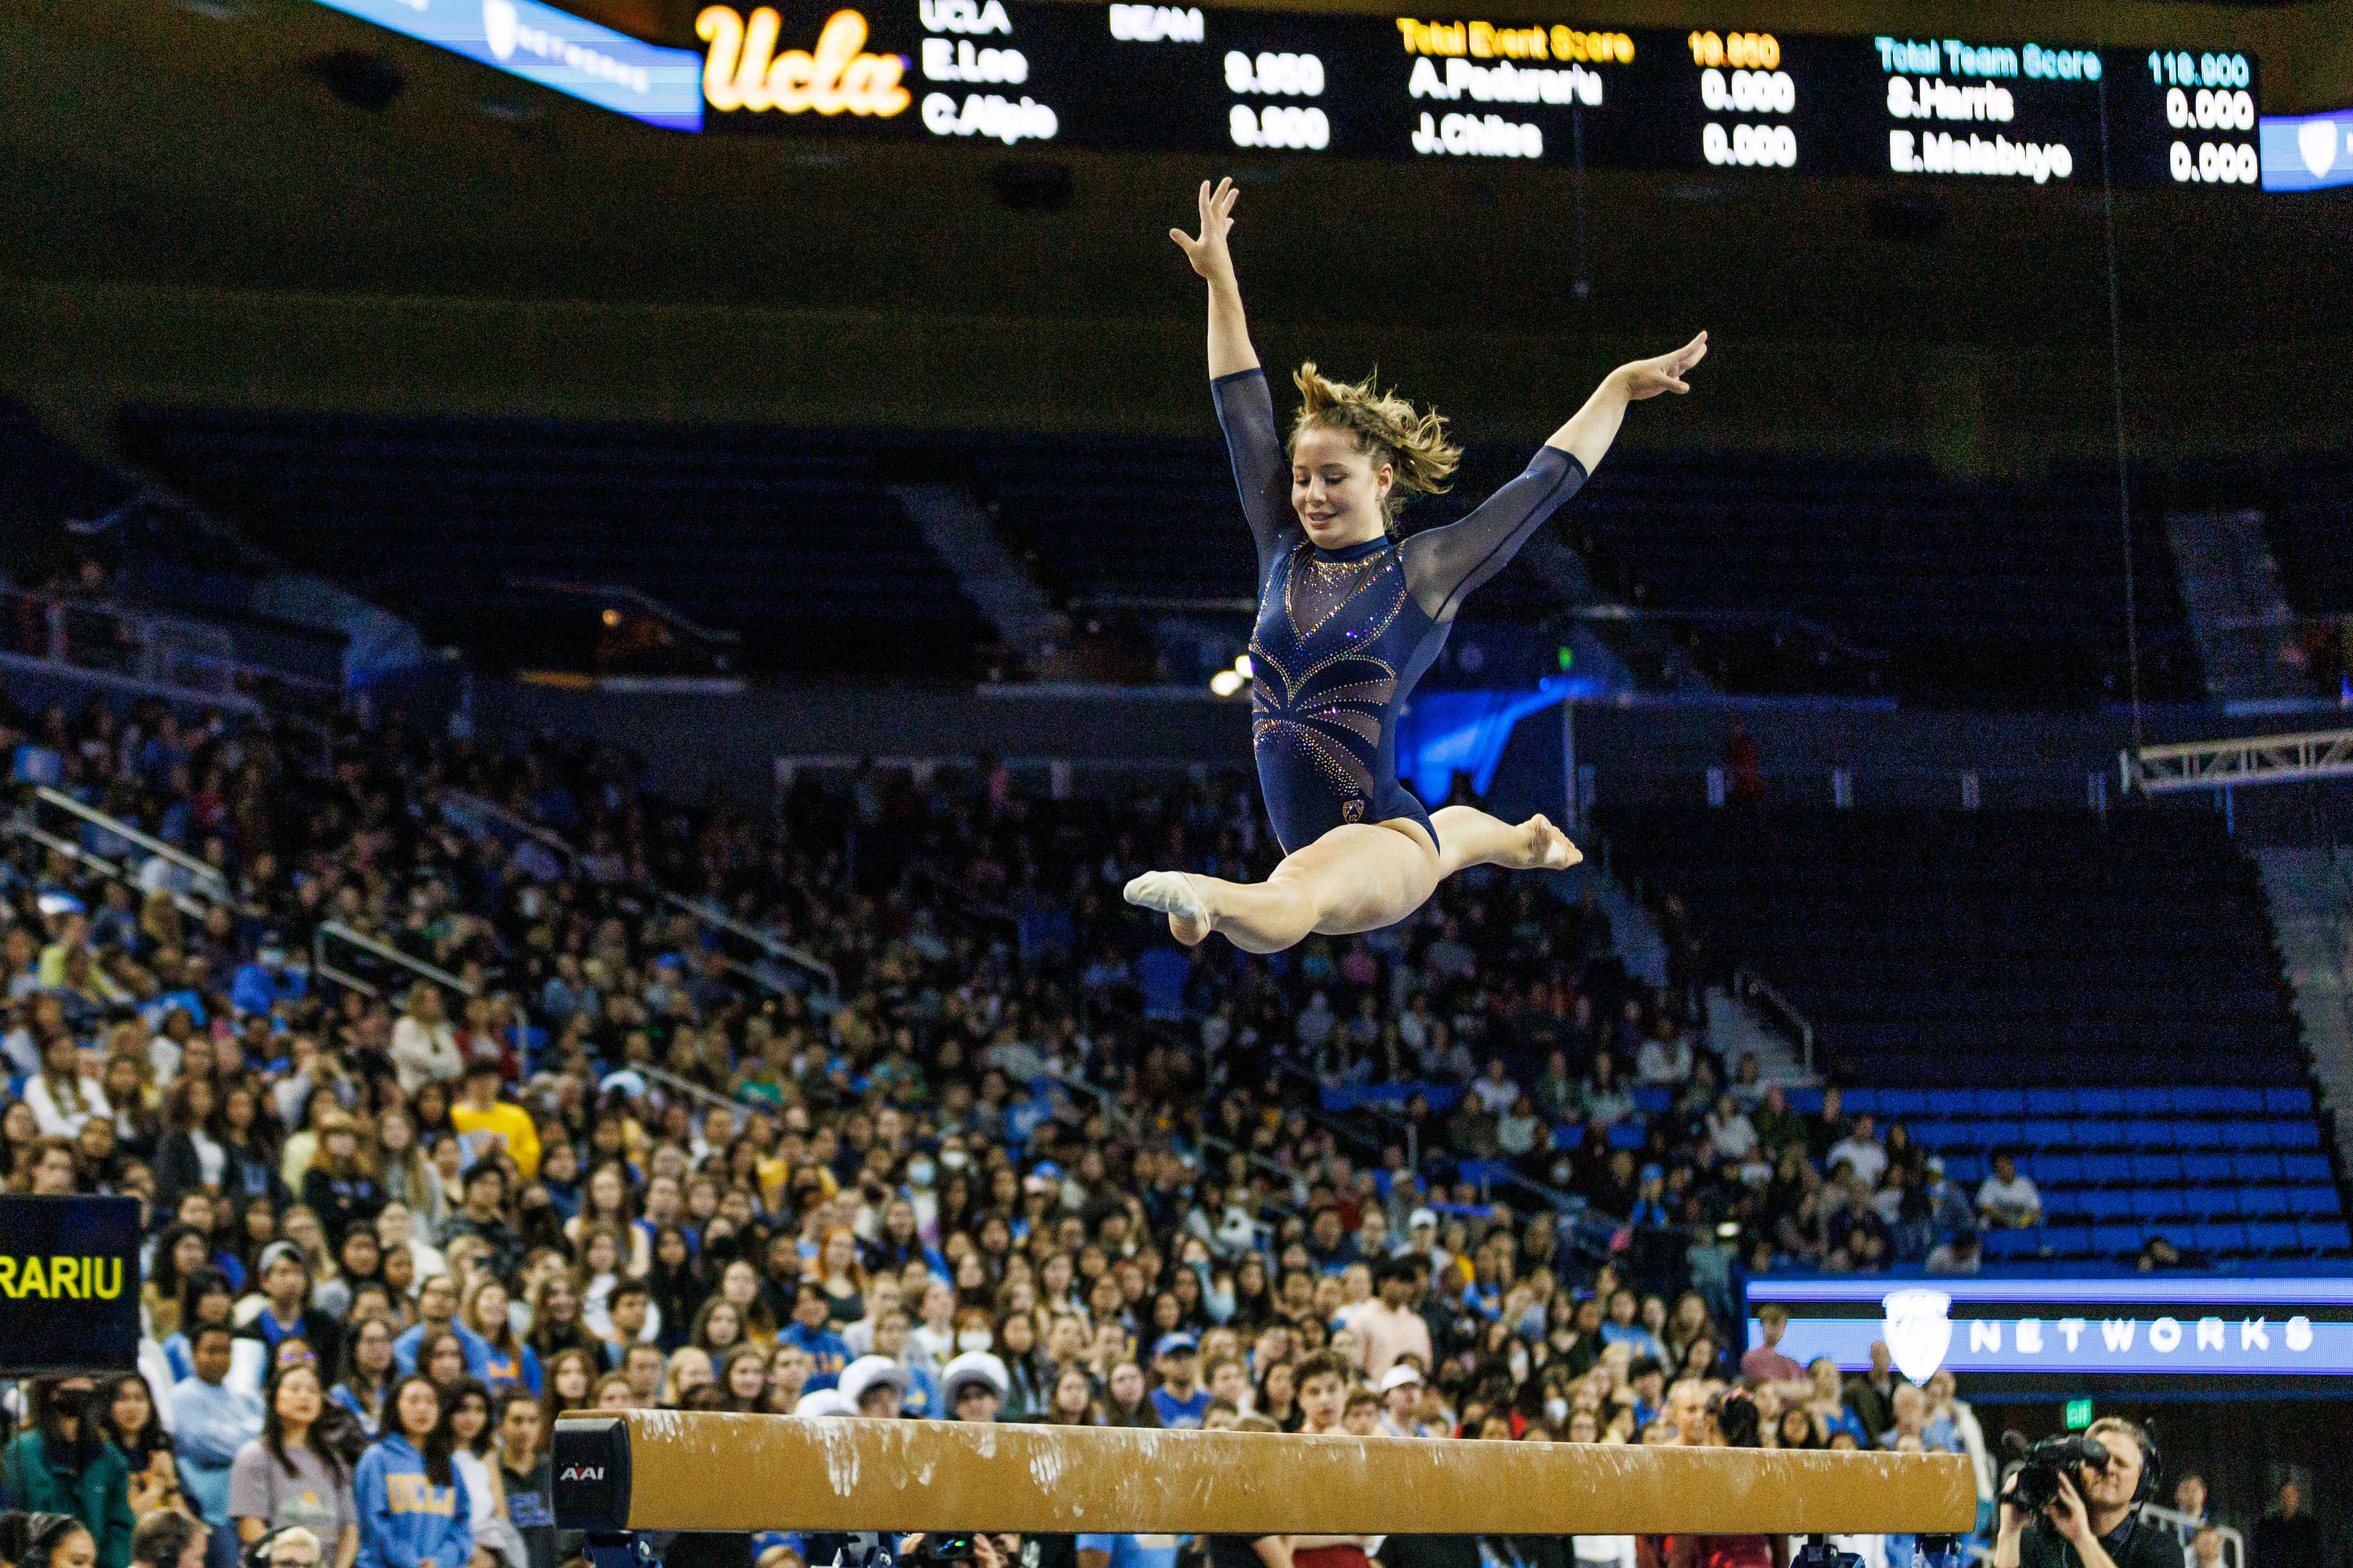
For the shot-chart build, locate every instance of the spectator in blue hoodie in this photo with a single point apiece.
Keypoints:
(808, 1332)
(414, 1509)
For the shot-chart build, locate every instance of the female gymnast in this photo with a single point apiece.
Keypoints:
(1349, 616)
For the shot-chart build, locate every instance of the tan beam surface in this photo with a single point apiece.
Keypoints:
(722, 1472)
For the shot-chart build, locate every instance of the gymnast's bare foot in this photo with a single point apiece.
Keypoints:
(1547, 849)
(1175, 895)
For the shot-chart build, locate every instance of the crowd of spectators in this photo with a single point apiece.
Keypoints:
(1006, 1156)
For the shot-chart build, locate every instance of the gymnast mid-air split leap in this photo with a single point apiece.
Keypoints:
(1350, 614)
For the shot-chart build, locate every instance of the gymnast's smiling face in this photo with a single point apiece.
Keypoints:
(1339, 490)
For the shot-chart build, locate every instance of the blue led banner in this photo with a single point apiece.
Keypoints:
(556, 50)
(2307, 152)
(2207, 1326)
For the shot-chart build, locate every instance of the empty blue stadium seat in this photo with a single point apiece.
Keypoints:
(2196, 1101)
(2245, 1134)
(2218, 1239)
(2324, 1235)
(2159, 1202)
(2097, 1204)
(2207, 1168)
(2213, 1203)
(2301, 1133)
(2057, 1167)
(2195, 1134)
(2100, 1102)
(1653, 1098)
(2103, 1133)
(1627, 1134)
(2107, 1170)
(1859, 1101)
(2263, 1202)
(2003, 1246)
(2050, 1102)
(2038, 1133)
(2256, 1167)
(2288, 1101)
(2312, 1203)
(2155, 1168)
(2149, 1101)
(2274, 1236)
(1903, 1102)
(1805, 1102)
(2114, 1239)
(2305, 1167)
(1965, 1169)
(2238, 1101)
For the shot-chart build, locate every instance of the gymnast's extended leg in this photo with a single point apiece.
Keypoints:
(1357, 876)
(1469, 837)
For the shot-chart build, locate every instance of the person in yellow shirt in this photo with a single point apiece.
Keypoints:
(484, 1121)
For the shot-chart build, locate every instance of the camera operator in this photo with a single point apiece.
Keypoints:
(2094, 1520)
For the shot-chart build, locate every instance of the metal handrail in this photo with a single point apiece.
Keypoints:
(712, 915)
(2234, 1544)
(203, 870)
(693, 1090)
(113, 871)
(1746, 982)
(389, 953)
(466, 800)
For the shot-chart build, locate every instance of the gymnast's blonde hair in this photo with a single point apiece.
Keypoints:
(1384, 427)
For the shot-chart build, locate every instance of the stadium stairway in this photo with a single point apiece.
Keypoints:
(962, 535)
(2238, 609)
(2311, 895)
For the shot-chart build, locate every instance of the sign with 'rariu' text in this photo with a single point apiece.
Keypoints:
(68, 1285)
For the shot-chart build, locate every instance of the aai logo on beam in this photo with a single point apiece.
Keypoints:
(2307, 152)
(555, 48)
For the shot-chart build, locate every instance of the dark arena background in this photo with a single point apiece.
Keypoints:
(598, 605)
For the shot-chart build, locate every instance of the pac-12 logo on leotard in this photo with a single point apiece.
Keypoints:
(1919, 1332)
(1353, 810)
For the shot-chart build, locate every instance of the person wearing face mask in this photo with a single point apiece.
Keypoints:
(64, 1465)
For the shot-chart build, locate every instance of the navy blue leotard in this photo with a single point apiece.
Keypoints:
(1342, 635)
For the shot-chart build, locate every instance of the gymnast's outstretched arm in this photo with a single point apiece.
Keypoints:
(1443, 565)
(1245, 405)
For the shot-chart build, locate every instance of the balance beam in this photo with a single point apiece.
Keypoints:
(659, 1469)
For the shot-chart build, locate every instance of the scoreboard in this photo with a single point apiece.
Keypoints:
(1430, 85)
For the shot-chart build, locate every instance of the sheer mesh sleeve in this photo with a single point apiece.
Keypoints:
(1443, 565)
(1262, 471)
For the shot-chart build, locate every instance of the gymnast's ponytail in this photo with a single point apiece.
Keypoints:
(1385, 428)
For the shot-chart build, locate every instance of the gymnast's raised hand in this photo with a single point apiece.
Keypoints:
(1351, 613)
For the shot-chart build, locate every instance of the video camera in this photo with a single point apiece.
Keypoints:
(2037, 1466)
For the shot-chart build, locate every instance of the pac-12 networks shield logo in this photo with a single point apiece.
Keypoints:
(2317, 140)
(1919, 1332)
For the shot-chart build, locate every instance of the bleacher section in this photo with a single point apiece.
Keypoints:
(791, 539)
(2227, 1171)
(2008, 949)
(2005, 595)
(1158, 520)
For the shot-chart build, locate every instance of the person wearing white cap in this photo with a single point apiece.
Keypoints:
(824, 1402)
(1400, 1389)
(875, 1385)
(973, 1387)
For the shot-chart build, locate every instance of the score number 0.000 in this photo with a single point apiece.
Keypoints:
(1756, 85)
(2208, 92)
(1277, 73)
